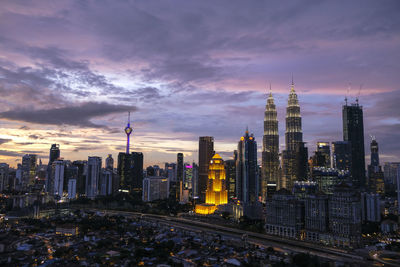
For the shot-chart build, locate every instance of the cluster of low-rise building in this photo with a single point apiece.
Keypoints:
(88, 239)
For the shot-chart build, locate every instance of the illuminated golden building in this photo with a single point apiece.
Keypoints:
(216, 193)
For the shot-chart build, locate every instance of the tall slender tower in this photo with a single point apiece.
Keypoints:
(270, 152)
(206, 152)
(375, 173)
(247, 183)
(128, 131)
(293, 132)
(353, 131)
(295, 156)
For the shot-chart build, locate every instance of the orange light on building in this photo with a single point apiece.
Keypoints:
(216, 193)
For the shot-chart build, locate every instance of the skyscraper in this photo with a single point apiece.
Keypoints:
(29, 164)
(341, 155)
(325, 150)
(206, 152)
(390, 176)
(4, 177)
(247, 183)
(179, 167)
(353, 131)
(230, 170)
(54, 155)
(130, 171)
(93, 176)
(270, 152)
(81, 177)
(295, 155)
(176, 185)
(109, 162)
(375, 173)
(57, 176)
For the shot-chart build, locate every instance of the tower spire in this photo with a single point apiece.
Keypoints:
(292, 85)
(270, 90)
(128, 131)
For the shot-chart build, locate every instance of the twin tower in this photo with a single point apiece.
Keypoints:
(294, 158)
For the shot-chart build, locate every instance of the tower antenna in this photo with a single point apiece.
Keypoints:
(359, 92)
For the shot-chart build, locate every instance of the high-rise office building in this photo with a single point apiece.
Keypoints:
(390, 176)
(230, 169)
(328, 178)
(57, 177)
(109, 162)
(72, 188)
(29, 164)
(177, 184)
(81, 177)
(247, 183)
(195, 180)
(353, 131)
(295, 155)
(370, 207)
(93, 176)
(206, 152)
(106, 182)
(170, 171)
(270, 152)
(130, 171)
(179, 167)
(54, 155)
(324, 149)
(188, 176)
(70, 173)
(155, 187)
(4, 177)
(341, 155)
(375, 174)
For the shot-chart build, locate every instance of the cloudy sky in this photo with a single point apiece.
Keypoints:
(71, 70)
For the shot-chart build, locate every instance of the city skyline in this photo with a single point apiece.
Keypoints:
(74, 81)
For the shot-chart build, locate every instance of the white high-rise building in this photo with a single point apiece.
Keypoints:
(57, 175)
(106, 183)
(154, 188)
(71, 188)
(93, 176)
(370, 207)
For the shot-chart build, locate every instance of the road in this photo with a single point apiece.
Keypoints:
(255, 238)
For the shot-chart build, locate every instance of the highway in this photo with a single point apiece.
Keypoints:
(254, 238)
